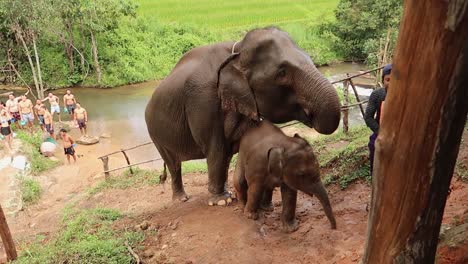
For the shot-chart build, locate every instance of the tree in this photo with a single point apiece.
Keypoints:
(419, 139)
(362, 24)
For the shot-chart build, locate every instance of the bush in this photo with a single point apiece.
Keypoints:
(30, 190)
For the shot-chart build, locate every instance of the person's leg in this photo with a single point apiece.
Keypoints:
(371, 146)
(68, 159)
(74, 158)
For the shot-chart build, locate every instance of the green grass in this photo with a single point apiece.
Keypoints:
(346, 163)
(30, 190)
(242, 14)
(461, 169)
(86, 236)
(31, 145)
(141, 177)
(230, 20)
(194, 166)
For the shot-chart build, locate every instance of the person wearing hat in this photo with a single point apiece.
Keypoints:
(374, 111)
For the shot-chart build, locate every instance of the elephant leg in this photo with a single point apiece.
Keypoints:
(288, 217)
(175, 168)
(240, 183)
(254, 194)
(267, 197)
(218, 165)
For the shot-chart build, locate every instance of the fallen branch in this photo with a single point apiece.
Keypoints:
(137, 258)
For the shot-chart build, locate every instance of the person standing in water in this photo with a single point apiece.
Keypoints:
(5, 128)
(69, 102)
(54, 105)
(39, 110)
(48, 122)
(67, 145)
(26, 111)
(81, 117)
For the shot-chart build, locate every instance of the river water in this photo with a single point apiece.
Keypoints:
(119, 112)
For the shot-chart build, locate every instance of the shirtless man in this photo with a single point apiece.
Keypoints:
(69, 102)
(81, 117)
(39, 110)
(12, 107)
(54, 105)
(67, 145)
(48, 122)
(5, 129)
(26, 111)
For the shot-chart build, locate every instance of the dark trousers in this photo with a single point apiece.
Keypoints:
(371, 146)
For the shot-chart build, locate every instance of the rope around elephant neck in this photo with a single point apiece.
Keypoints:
(233, 48)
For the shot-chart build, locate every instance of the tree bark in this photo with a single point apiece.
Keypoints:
(19, 34)
(7, 240)
(38, 65)
(426, 110)
(97, 67)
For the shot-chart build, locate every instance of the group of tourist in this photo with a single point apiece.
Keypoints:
(20, 113)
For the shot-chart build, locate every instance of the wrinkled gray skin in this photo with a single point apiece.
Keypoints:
(268, 159)
(193, 114)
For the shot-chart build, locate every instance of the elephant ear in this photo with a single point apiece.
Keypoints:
(276, 161)
(235, 92)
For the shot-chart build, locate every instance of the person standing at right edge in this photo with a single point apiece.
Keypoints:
(374, 111)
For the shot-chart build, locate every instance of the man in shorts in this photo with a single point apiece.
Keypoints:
(69, 102)
(39, 110)
(5, 129)
(81, 117)
(12, 107)
(54, 105)
(48, 122)
(26, 111)
(67, 145)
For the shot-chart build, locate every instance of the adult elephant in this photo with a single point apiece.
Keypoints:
(216, 92)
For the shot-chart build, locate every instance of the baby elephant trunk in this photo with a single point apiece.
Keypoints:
(319, 190)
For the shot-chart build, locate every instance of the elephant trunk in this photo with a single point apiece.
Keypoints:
(319, 190)
(319, 99)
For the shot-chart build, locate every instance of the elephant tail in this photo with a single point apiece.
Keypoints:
(163, 176)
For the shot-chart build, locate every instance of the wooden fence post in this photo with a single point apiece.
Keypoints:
(105, 164)
(345, 104)
(357, 96)
(128, 161)
(6, 237)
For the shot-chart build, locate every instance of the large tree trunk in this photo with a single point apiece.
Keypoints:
(6, 238)
(97, 67)
(38, 65)
(19, 34)
(426, 110)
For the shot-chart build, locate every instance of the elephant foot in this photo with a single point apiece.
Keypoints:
(291, 226)
(181, 197)
(267, 207)
(251, 215)
(220, 199)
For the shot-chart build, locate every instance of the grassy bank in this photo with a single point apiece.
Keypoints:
(139, 178)
(86, 236)
(31, 145)
(30, 190)
(343, 157)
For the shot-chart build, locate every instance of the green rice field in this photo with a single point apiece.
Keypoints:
(237, 15)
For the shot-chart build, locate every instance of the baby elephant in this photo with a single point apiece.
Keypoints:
(268, 159)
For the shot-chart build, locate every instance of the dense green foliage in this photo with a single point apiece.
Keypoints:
(134, 43)
(86, 237)
(361, 27)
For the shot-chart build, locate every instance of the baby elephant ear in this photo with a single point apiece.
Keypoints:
(275, 161)
(235, 92)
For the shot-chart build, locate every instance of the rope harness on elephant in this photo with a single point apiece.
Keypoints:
(226, 62)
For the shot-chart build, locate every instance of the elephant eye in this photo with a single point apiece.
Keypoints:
(281, 73)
